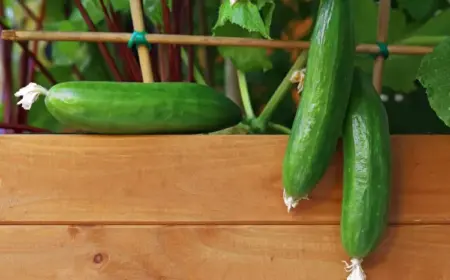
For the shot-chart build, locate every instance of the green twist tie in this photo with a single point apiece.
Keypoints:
(384, 52)
(138, 39)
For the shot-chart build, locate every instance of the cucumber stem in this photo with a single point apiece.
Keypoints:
(197, 74)
(262, 120)
(355, 269)
(279, 127)
(245, 95)
(30, 94)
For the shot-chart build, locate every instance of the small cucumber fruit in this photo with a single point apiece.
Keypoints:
(318, 121)
(367, 172)
(135, 108)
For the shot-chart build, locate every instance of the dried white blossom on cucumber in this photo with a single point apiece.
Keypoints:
(30, 94)
(291, 202)
(298, 77)
(355, 269)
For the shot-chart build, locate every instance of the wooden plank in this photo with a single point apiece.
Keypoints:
(196, 179)
(214, 252)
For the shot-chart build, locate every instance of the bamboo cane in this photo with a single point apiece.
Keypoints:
(19, 35)
(382, 34)
(143, 51)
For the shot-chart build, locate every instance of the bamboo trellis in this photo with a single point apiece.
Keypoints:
(144, 58)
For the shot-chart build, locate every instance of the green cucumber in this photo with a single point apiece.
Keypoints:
(319, 118)
(135, 108)
(367, 172)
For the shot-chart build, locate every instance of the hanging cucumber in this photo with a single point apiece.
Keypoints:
(135, 108)
(318, 121)
(367, 173)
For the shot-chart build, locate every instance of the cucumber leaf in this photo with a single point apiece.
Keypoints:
(400, 71)
(365, 13)
(54, 11)
(250, 20)
(434, 75)
(68, 53)
(419, 9)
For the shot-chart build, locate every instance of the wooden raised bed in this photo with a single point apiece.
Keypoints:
(203, 207)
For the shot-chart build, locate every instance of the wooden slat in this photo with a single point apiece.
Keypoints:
(214, 253)
(196, 179)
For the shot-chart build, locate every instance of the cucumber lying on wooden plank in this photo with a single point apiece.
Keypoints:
(318, 122)
(135, 108)
(367, 173)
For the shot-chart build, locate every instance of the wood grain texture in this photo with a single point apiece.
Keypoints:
(196, 179)
(214, 253)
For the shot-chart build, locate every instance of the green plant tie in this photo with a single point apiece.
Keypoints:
(384, 52)
(138, 39)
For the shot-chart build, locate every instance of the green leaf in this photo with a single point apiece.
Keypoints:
(120, 5)
(419, 9)
(245, 19)
(54, 10)
(153, 10)
(244, 14)
(400, 71)
(365, 14)
(434, 75)
(69, 53)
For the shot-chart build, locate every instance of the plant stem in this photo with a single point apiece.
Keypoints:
(197, 74)
(262, 120)
(103, 49)
(245, 95)
(176, 29)
(7, 86)
(21, 128)
(279, 127)
(190, 30)
(423, 40)
(168, 30)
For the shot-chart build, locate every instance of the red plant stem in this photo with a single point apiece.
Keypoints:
(22, 128)
(128, 54)
(168, 30)
(39, 24)
(7, 88)
(27, 10)
(154, 53)
(177, 7)
(162, 50)
(104, 51)
(27, 65)
(190, 31)
(127, 74)
(23, 70)
(24, 47)
(6, 49)
(23, 80)
(77, 73)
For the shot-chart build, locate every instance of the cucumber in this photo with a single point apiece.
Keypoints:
(135, 108)
(319, 118)
(367, 172)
